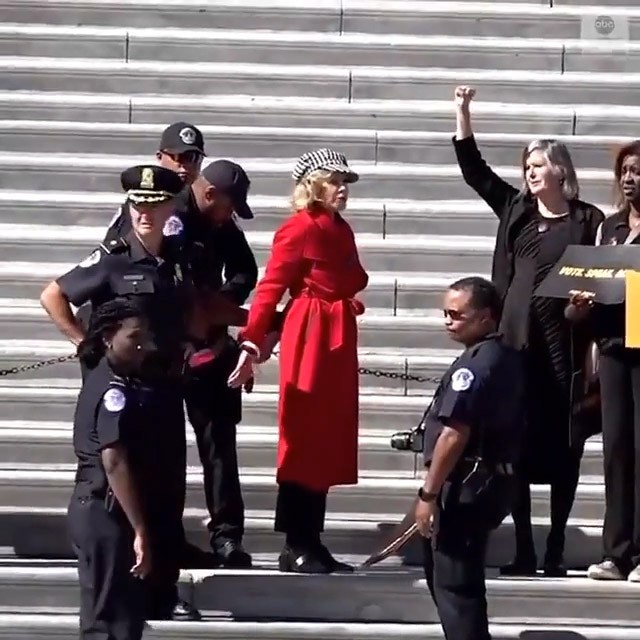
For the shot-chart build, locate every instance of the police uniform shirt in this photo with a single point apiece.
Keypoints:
(219, 256)
(483, 390)
(126, 269)
(103, 418)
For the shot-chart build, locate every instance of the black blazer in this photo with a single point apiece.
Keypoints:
(513, 208)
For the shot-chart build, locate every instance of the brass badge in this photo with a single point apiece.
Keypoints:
(146, 181)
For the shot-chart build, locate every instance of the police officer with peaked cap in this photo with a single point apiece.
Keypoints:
(147, 269)
(222, 261)
(472, 438)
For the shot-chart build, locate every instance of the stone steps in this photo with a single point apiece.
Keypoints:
(32, 243)
(531, 19)
(291, 111)
(50, 443)
(39, 532)
(350, 83)
(50, 486)
(398, 292)
(390, 594)
(65, 627)
(379, 146)
(280, 47)
(272, 177)
(416, 217)
(25, 319)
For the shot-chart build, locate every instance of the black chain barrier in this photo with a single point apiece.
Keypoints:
(377, 373)
(36, 365)
(394, 375)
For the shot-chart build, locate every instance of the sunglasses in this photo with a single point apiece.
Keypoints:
(186, 157)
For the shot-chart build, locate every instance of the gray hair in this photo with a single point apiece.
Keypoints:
(559, 159)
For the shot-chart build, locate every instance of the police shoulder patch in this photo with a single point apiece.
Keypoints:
(462, 379)
(114, 400)
(173, 226)
(91, 259)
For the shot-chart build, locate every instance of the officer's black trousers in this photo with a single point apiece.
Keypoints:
(620, 390)
(563, 493)
(164, 499)
(454, 558)
(214, 411)
(111, 599)
(300, 514)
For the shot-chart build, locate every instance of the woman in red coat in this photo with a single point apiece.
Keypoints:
(314, 257)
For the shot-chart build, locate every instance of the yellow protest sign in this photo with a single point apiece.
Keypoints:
(632, 310)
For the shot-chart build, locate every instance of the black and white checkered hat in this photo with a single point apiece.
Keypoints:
(323, 160)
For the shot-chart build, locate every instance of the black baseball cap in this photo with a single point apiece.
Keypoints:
(180, 137)
(150, 184)
(231, 179)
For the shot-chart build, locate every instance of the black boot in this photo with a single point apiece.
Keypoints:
(334, 566)
(301, 560)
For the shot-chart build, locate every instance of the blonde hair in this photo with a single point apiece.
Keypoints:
(559, 159)
(309, 192)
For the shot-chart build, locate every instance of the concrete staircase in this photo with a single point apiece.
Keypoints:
(86, 86)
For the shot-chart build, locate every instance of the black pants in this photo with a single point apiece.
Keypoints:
(300, 514)
(214, 411)
(163, 495)
(563, 493)
(112, 601)
(620, 389)
(454, 558)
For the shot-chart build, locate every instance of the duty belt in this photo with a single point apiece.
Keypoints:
(467, 465)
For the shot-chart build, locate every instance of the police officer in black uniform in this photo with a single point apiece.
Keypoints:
(472, 438)
(107, 521)
(221, 261)
(146, 268)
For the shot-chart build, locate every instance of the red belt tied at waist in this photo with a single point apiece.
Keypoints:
(319, 320)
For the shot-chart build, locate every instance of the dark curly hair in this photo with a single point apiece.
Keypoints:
(104, 320)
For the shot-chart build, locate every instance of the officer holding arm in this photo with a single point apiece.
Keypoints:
(205, 224)
(147, 269)
(472, 439)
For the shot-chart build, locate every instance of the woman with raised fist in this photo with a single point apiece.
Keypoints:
(536, 222)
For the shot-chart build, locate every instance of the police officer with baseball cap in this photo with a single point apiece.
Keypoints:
(145, 268)
(221, 260)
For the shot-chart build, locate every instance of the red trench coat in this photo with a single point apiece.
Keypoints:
(314, 257)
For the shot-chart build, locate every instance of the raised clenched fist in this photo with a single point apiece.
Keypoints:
(464, 95)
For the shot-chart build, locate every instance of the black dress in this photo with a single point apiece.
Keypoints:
(540, 329)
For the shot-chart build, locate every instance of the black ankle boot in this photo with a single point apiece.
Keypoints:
(301, 560)
(334, 566)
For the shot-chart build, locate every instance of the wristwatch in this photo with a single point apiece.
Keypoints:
(426, 496)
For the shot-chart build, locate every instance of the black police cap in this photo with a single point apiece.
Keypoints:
(231, 179)
(180, 137)
(150, 184)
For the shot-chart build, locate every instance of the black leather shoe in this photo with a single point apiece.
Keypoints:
(334, 566)
(231, 555)
(520, 567)
(195, 558)
(185, 612)
(301, 561)
(554, 568)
